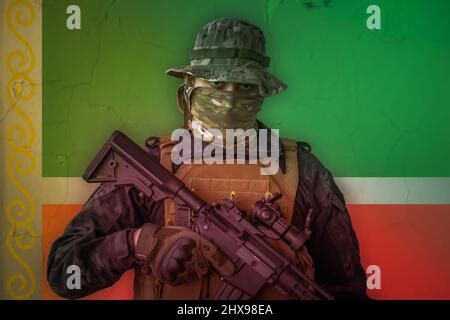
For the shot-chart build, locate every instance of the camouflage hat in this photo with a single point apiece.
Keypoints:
(231, 50)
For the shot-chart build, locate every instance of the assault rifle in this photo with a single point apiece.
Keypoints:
(257, 264)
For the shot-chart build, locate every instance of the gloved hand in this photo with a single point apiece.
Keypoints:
(177, 255)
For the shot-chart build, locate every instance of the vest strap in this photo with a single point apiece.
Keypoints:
(165, 148)
(288, 182)
(146, 241)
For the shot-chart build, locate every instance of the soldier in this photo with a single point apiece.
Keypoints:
(119, 228)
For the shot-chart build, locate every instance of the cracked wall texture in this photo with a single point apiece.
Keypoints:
(371, 103)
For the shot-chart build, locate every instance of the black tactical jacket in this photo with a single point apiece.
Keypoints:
(98, 238)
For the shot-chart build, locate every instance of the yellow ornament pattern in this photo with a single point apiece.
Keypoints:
(20, 160)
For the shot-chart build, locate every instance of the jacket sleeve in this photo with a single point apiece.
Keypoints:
(98, 240)
(333, 244)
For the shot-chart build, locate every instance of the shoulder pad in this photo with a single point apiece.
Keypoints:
(304, 146)
(152, 142)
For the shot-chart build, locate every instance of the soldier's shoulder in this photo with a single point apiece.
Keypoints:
(104, 190)
(316, 182)
(311, 167)
(152, 144)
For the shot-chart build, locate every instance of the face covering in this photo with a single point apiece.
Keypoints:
(221, 110)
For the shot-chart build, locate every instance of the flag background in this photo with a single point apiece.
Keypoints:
(374, 105)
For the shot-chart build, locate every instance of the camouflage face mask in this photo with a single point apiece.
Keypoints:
(220, 109)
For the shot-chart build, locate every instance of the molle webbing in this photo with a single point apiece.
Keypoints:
(213, 182)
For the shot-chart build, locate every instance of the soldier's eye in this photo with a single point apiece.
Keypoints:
(217, 84)
(246, 86)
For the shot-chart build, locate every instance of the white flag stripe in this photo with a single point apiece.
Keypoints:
(357, 190)
(386, 190)
(65, 190)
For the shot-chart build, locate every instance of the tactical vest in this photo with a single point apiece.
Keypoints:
(213, 182)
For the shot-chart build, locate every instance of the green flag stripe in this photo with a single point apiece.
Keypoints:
(372, 103)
